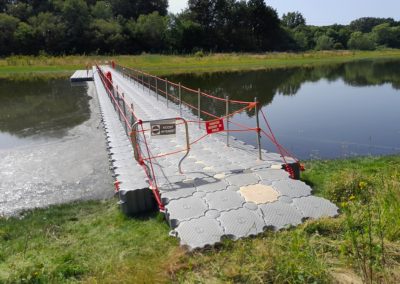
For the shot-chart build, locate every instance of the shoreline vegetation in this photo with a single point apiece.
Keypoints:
(90, 242)
(47, 67)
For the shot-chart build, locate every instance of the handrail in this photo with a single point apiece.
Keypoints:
(124, 68)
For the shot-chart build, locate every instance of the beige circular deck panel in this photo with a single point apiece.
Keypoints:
(259, 193)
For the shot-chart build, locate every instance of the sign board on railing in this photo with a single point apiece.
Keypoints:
(215, 126)
(162, 128)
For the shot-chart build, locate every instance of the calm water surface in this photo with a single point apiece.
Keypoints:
(323, 112)
(38, 111)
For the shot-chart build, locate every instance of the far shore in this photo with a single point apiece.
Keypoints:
(47, 67)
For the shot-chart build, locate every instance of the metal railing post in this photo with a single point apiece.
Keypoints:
(258, 129)
(180, 99)
(198, 105)
(132, 118)
(166, 90)
(157, 88)
(227, 120)
(124, 108)
(114, 95)
(117, 107)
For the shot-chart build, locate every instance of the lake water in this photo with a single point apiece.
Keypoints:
(330, 111)
(40, 110)
(52, 145)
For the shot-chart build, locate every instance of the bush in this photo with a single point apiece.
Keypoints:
(199, 54)
(338, 46)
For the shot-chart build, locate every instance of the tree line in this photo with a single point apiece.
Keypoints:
(59, 27)
(366, 33)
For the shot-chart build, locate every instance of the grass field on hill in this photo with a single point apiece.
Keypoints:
(26, 67)
(92, 242)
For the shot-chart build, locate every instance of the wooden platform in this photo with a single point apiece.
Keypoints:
(82, 76)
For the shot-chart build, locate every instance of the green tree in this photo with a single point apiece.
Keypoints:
(240, 38)
(344, 35)
(361, 41)
(132, 9)
(184, 33)
(151, 31)
(107, 35)
(265, 25)
(102, 10)
(49, 31)
(395, 43)
(8, 25)
(324, 42)
(366, 24)
(76, 16)
(20, 10)
(300, 39)
(386, 35)
(293, 20)
(24, 38)
(215, 19)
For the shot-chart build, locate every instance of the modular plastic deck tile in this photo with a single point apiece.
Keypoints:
(210, 184)
(243, 179)
(185, 209)
(273, 175)
(280, 215)
(292, 188)
(241, 223)
(185, 190)
(315, 207)
(201, 232)
(224, 200)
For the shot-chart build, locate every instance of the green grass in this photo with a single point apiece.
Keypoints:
(89, 240)
(92, 242)
(21, 67)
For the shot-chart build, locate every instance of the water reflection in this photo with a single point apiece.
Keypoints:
(265, 84)
(336, 110)
(39, 109)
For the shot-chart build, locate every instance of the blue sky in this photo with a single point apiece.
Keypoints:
(326, 12)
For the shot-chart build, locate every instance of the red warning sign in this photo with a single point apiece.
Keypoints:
(215, 126)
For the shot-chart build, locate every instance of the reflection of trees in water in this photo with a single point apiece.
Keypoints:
(373, 73)
(244, 86)
(40, 107)
(265, 84)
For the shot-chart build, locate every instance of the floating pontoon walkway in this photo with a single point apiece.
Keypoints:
(223, 191)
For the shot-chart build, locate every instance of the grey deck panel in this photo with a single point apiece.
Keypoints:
(204, 205)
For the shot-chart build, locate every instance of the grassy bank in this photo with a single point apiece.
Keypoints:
(92, 242)
(43, 66)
